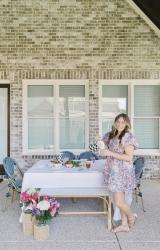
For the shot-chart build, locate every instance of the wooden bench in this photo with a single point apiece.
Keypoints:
(82, 193)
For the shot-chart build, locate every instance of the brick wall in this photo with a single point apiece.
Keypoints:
(74, 39)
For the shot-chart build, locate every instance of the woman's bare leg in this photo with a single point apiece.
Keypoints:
(124, 219)
(126, 212)
(119, 199)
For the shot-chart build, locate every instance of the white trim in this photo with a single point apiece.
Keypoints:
(87, 116)
(144, 17)
(24, 124)
(131, 81)
(4, 82)
(51, 82)
(154, 152)
(56, 84)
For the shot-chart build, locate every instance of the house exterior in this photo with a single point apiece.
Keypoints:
(67, 67)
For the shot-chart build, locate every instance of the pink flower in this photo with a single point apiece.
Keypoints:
(35, 196)
(52, 211)
(45, 197)
(25, 197)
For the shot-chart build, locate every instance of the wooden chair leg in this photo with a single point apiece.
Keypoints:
(12, 195)
(109, 214)
(140, 194)
(136, 195)
(74, 200)
(7, 196)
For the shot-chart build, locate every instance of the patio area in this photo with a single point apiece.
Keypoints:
(86, 232)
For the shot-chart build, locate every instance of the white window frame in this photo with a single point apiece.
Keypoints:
(56, 84)
(130, 84)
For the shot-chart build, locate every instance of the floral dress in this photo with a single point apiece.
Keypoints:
(119, 175)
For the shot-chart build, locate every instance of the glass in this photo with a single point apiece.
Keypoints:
(88, 164)
(93, 160)
(72, 116)
(40, 133)
(113, 106)
(40, 101)
(72, 133)
(146, 132)
(106, 124)
(147, 100)
(72, 100)
(114, 100)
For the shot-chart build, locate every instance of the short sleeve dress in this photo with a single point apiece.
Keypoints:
(119, 175)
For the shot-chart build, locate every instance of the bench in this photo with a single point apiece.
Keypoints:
(100, 193)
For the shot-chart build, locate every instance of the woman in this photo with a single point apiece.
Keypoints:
(119, 171)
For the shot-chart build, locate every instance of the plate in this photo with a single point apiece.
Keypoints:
(57, 165)
(69, 165)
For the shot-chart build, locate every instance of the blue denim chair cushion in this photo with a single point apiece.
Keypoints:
(67, 154)
(88, 155)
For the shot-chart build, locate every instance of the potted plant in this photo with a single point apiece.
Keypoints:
(27, 199)
(44, 211)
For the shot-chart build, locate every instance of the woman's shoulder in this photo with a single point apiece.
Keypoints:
(129, 139)
(106, 137)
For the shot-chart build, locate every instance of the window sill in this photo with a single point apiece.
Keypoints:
(51, 152)
(150, 152)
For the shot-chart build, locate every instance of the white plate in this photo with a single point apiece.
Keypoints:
(57, 165)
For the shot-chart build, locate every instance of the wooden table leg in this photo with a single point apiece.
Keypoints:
(109, 214)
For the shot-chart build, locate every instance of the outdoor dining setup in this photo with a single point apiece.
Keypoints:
(69, 179)
(63, 176)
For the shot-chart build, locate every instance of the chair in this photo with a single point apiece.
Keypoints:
(14, 184)
(88, 155)
(139, 165)
(67, 154)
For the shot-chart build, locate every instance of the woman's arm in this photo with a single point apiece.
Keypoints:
(127, 156)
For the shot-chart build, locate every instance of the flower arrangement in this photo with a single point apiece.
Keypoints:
(98, 145)
(28, 198)
(45, 210)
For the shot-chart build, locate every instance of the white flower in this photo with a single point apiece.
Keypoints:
(43, 205)
(101, 144)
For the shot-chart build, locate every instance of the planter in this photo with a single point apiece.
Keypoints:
(41, 232)
(28, 224)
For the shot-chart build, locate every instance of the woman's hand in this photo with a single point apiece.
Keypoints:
(108, 153)
(105, 152)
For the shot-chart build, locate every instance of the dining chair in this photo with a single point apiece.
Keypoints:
(14, 184)
(88, 155)
(68, 155)
(139, 166)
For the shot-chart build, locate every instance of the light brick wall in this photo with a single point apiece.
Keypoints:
(74, 39)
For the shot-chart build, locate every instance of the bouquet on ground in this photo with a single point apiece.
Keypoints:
(45, 210)
(28, 198)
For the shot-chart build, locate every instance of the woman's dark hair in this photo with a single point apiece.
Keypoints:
(114, 131)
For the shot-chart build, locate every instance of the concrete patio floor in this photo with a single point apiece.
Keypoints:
(86, 232)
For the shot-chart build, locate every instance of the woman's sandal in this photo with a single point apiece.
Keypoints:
(121, 228)
(132, 221)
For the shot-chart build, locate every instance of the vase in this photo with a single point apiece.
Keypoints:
(28, 224)
(41, 232)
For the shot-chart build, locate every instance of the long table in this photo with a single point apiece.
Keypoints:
(69, 182)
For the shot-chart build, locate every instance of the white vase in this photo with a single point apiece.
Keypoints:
(28, 224)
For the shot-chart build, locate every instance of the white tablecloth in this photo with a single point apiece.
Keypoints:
(44, 175)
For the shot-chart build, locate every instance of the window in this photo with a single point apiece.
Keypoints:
(55, 116)
(141, 101)
(147, 115)
(114, 101)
